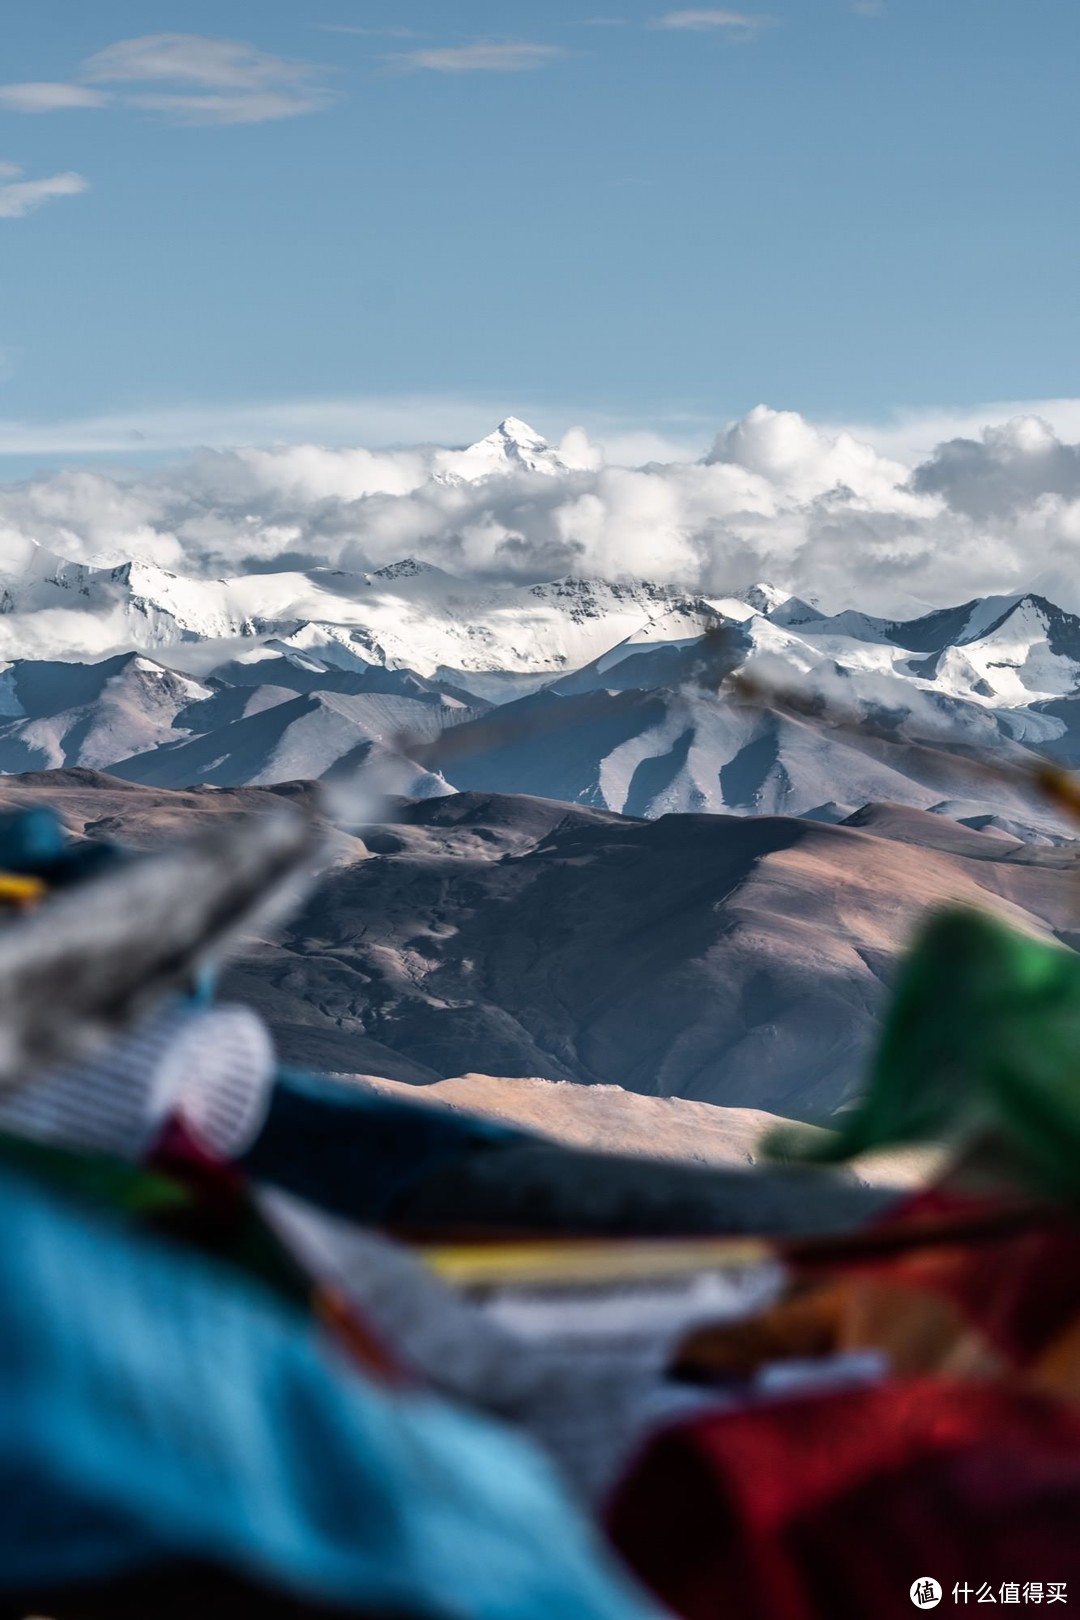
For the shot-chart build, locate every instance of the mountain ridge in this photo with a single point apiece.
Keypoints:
(646, 725)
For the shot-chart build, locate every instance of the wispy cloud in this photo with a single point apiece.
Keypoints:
(735, 24)
(223, 107)
(188, 78)
(210, 81)
(366, 33)
(480, 58)
(868, 8)
(48, 97)
(213, 64)
(19, 197)
(379, 420)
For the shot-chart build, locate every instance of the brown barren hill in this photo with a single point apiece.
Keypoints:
(742, 961)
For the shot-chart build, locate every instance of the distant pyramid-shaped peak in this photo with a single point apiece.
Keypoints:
(512, 430)
(513, 446)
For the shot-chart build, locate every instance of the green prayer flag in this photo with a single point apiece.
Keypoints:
(983, 1036)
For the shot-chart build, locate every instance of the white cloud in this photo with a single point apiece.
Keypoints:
(913, 435)
(480, 58)
(187, 78)
(817, 509)
(80, 514)
(804, 460)
(20, 197)
(195, 59)
(210, 81)
(868, 8)
(736, 24)
(49, 97)
(1007, 469)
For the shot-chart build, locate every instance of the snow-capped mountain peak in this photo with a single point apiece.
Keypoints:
(766, 598)
(514, 432)
(513, 447)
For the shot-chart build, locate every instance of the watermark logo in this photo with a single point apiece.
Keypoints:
(1008, 1592)
(925, 1592)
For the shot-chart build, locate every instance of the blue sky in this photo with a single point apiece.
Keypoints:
(441, 212)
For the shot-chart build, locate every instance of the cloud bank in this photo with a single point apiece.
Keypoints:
(818, 511)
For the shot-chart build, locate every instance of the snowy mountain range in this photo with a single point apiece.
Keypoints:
(610, 693)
